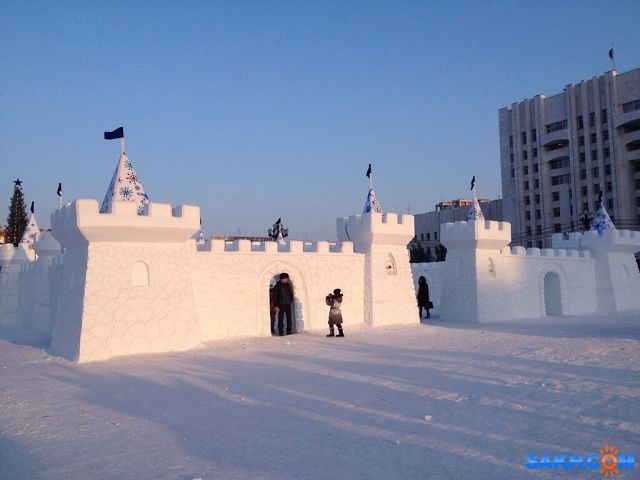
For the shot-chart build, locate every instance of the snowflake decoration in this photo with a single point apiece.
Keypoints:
(133, 177)
(127, 165)
(126, 193)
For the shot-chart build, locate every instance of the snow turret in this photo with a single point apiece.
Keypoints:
(125, 186)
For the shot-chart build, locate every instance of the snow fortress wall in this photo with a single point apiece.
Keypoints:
(484, 280)
(130, 283)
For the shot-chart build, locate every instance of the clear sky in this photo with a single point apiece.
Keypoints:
(255, 110)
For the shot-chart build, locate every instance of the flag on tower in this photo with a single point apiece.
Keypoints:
(59, 191)
(371, 204)
(33, 207)
(475, 212)
(611, 53)
(602, 221)
(117, 133)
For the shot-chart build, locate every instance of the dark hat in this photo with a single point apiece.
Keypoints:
(283, 276)
(337, 291)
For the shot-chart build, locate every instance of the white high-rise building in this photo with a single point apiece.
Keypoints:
(558, 153)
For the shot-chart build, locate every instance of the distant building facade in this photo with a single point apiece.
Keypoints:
(427, 225)
(558, 153)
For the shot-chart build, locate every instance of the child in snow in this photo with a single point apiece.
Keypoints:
(334, 300)
(423, 296)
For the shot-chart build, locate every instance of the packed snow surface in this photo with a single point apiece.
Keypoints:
(436, 401)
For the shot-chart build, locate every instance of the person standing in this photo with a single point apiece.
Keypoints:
(283, 298)
(334, 300)
(272, 310)
(423, 296)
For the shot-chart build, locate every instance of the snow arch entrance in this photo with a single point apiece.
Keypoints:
(300, 309)
(552, 294)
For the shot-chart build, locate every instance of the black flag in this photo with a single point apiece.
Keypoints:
(279, 221)
(33, 209)
(59, 191)
(117, 133)
(473, 182)
(369, 171)
(611, 53)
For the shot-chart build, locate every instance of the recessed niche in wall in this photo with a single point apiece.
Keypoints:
(391, 267)
(139, 274)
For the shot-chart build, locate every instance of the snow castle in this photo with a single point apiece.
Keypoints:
(129, 277)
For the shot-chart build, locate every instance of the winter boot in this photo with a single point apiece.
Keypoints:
(340, 332)
(331, 334)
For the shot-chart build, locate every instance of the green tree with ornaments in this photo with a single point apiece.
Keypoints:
(17, 219)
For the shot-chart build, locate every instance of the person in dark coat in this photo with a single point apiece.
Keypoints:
(283, 298)
(423, 296)
(334, 300)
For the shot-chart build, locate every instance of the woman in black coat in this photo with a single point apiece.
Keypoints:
(423, 296)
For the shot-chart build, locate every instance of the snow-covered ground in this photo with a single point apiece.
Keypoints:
(437, 401)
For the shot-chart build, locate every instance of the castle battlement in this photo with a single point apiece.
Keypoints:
(160, 222)
(216, 245)
(627, 241)
(389, 228)
(544, 252)
(476, 234)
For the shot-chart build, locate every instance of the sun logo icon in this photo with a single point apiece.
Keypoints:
(609, 461)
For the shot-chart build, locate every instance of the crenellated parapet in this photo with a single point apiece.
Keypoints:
(544, 253)
(476, 234)
(378, 228)
(621, 241)
(81, 221)
(217, 245)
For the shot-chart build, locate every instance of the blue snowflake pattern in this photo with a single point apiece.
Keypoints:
(128, 165)
(125, 193)
(132, 177)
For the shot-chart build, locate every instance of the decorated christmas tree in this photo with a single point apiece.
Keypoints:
(17, 219)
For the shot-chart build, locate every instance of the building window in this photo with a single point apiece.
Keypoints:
(538, 214)
(513, 173)
(557, 228)
(581, 141)
(583, 157)
(592, 119)
(556, 211)
(605, 135)
(526, 186)
(610, 186)
(594, 138)
(610, 204)
(555, 196)
(607, 152)
(537, 199)
(536, 183)
(428, 237)
(527, 200)
(535, 152)
(583, 174)
(554, 127)
(435, 235)
(524, 138)
(581, 124)
(525, 170)
(535, 168)
(596, 172)
(534, 135)
(524, 155)
(559, 163)
(560, 179)
(511, 141)
(585, 191)
(596, 188)
(511, 159)
(594, 154)
(528, 215)
(139, 274)
(603, 115)
(607, 169)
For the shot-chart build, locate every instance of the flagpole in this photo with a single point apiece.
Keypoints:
(122, 145)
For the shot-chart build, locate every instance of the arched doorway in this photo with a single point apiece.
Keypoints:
(300, 311)
(552, 294)
(274, 315)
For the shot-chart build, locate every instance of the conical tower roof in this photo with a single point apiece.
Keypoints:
(125, 186)
(32, 232)
(475, 212)
(602, 221)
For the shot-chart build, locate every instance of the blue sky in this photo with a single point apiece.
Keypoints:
(255, 110)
